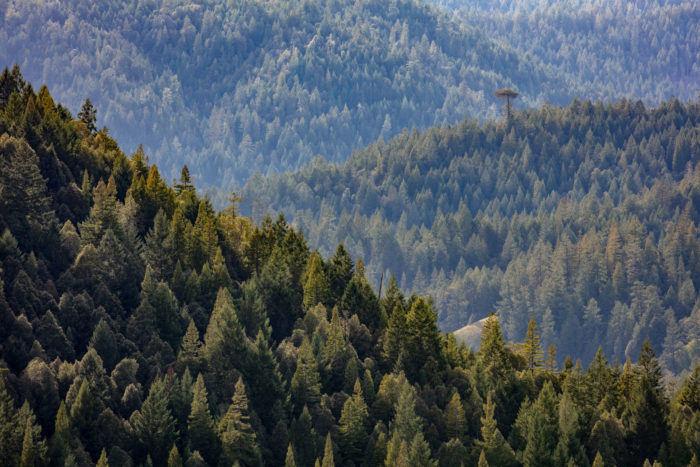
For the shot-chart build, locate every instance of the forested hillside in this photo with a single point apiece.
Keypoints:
(140, 327)
(230, 88)
(234, 87)
(584, 217)
(644, 49)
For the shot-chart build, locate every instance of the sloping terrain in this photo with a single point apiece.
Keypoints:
(231, 88)
(584, 217)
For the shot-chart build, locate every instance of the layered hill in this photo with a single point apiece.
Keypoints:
(583, 217)
(140, 327)
(643, 49)
(229, 88)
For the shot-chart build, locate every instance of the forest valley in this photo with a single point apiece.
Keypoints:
(138, 326)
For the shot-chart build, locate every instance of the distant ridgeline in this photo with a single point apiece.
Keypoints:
(140, 327)
(583, 217)
(234, 87)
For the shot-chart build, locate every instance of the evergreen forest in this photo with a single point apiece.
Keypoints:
(583, 217)
(140, 326)
(234, 87)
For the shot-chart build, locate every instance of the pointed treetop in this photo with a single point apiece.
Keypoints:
(88, 115)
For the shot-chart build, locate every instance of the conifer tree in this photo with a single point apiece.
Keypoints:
(238, 440)
(88, 115)
(303, 438)
(224, 341)
(266, 385)
(103, 461)
(455, 417)
(452, 453)
(360, 299)
(154, 424)
(60, 441)
(353, 425)
(200, 426)
(493, 349)
(423, 339)
(569, 447)
(607, 439)
(482, 460)
(280, 296)
(306, 386)
(627, 380)
(159, 251)
(406, 428)
(335, 351)
(190, 354)
(105, 344)
(550, 362)
(220, 271)
(395, 336)
(328, 453)
(29, 455)
(419, 452)
(316, 289)
(33, 447)
(600, 379)
(185, 183)
(542, 429)
(103, 214)
(531, 347)
(645, 414)
(24, 202)
(84, 410)
(174, 459)
(493, 445)
(289, 458)
(339, 273)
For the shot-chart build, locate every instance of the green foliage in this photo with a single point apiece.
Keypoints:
(304, 438)
(423, 339)
(305, 385)
(200, 425)
(455, 417)
(494, 447)
(353, 425)
(154, 425)
(238, 440)
(532, 349)
(316, 288)
(24, 203)
(88, 336)
(103, 461)
(289, 459)
(328, 459)
(541, 429)
(225, 343)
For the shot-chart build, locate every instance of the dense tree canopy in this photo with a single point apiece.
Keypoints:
(230, 88)
(137, 330)
(582, 217)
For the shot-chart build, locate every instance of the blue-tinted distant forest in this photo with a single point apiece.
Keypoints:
(231, 88)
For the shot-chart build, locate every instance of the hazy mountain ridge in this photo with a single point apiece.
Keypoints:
(234, 88)
(644, 50)
(518, 219)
